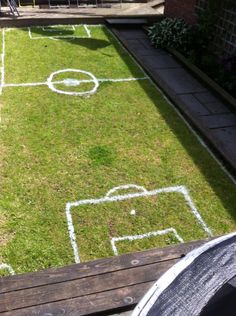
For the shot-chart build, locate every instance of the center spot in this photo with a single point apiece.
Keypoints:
(71, 82)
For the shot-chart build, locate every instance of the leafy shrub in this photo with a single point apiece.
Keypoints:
(170, 33)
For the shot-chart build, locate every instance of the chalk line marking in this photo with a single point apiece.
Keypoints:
(114, 198)
(125, 187)
(91, 91)
(87, 31)
(2, 61)
(147, 235)
(4, 266)
(55, 28)
(71, 82)
(56, 37)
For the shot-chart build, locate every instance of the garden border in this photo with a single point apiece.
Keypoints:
(222, 93)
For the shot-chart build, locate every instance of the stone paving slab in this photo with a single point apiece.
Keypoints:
(160, 62)
(217, 107)
(218, 121)
(227, 137)
(206, 111)
(133, 35)
(143, 49)
(193, 105)
(206, 97)
(179, 80)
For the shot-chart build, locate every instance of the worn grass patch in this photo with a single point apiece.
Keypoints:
(62, 148)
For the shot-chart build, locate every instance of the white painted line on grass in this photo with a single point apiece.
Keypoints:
(2, 61)
(123, 79)
(114, 198)
(30, 84)
(88, 92)
(56, 37)
(4, 266)
(54, 28)
(126, 187)
(142, 236)
(87, 31)
(72, 82)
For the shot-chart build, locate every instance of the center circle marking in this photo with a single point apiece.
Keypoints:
(94, 80)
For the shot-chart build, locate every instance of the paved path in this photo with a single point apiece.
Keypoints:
(212, 117)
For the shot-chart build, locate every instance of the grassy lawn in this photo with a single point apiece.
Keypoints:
(58, 148)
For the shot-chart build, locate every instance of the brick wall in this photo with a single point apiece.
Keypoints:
(225, 29)
(184, 9)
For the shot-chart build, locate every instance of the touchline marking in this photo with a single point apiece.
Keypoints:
(7, 267)
(147, 235)
(2, 61)
(113, 198)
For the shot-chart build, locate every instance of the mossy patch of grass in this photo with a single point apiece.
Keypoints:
(101, 155)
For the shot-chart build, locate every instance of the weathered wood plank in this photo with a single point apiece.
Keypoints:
(89, 304)
(83, 287)
(101, 266)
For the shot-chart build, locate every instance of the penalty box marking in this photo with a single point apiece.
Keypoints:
(109, 197)
(43, 28)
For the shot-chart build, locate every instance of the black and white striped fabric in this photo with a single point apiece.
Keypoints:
(187, 288)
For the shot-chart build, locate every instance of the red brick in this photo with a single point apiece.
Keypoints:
(183, 9)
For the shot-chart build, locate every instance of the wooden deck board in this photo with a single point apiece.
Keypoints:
(83, 289)
(90, 15)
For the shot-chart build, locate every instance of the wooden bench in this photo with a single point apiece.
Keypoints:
(82, 289)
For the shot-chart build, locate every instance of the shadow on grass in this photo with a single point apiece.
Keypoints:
(209, 174)
(89, 43)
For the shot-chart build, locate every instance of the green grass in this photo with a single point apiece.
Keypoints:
(57, 148)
